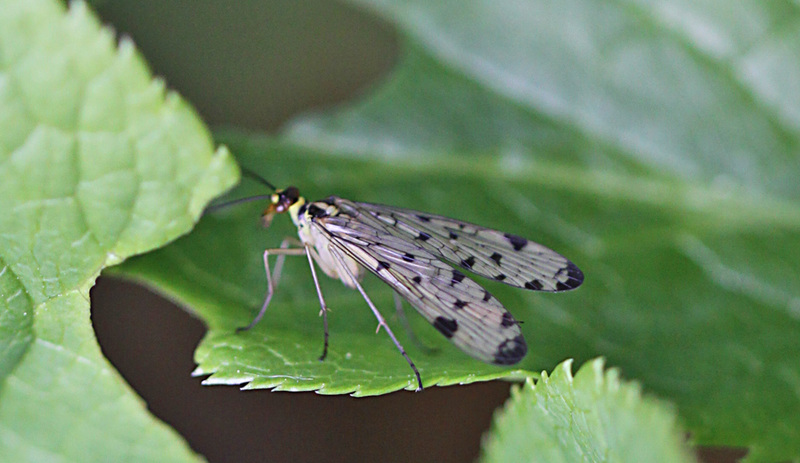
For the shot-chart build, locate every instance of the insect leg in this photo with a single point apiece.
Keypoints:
(324, 310)
(401, 314)
(276, 270)
(382, 323)
(281, 252)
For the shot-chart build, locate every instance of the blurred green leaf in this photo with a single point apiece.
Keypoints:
(594, 416)
(653, 143)
(97, 163)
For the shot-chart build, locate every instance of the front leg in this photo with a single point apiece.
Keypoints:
(281, 252)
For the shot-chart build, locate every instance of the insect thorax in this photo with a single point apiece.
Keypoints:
(329, 260)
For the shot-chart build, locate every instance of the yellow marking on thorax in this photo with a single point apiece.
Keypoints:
(294, 210)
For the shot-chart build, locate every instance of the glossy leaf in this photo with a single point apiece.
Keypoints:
(97, 163)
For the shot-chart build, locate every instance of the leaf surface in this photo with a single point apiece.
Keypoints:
(593, 416)
(97, 163)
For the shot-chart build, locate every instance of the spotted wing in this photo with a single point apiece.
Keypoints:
(493, 254)
(458, 307)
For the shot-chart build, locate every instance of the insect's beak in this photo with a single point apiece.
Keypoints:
(268, 214)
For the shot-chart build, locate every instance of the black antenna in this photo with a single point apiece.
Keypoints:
(258, 178)
(248, 199)
(249, 173)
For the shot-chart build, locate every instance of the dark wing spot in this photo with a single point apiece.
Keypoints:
(486, 296)
(423, 218)
(423, 236)
(500, 277)
(457, 277)
(496, 257)
(574, 278)
(446, 326)
(382, 265)
(408, 257)
(453, 236)
(517, 241)
(508, 320)
(468, 262)
(417, 279)
(459, 304)
(511, 351)
(302, 209)
(534, 284)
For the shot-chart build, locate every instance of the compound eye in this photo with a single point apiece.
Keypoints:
(292, 194)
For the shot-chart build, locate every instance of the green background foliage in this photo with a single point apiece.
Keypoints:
(654, 144)
(98, 163)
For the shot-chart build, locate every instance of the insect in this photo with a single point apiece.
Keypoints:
(415, 253)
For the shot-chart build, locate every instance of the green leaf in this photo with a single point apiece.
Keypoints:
(96, 163)
(655, 145)
(592, 417)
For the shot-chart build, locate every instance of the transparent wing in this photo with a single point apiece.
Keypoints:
(458, 307)
(493, 254)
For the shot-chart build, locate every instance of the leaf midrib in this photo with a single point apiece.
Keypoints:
(725, 207)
